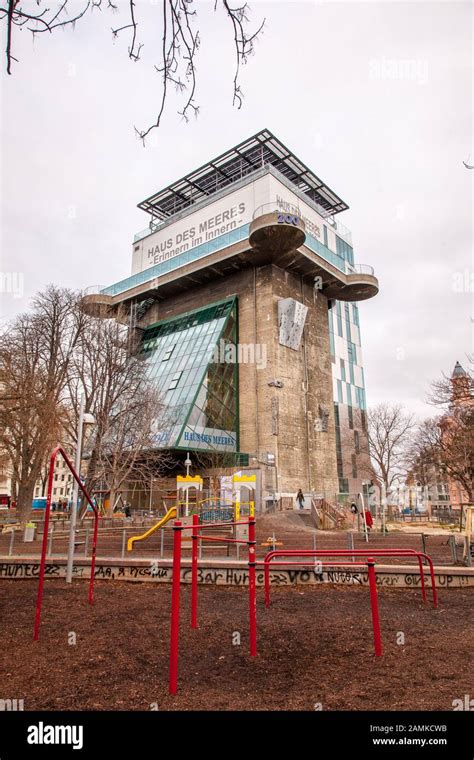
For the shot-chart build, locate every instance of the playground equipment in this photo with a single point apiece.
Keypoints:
(353, 553)
(211, 508)
(197, 536)
(318, 564)
(184, 485)
(249, 483)
(39, 601)
(171, 513)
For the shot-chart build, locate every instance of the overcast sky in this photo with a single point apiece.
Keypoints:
(375, 97)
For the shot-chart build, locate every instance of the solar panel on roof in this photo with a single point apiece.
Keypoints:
(263, 148)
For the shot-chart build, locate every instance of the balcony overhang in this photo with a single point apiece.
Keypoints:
(273, 244)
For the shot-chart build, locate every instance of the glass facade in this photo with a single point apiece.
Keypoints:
(192, 362)
(346, 354)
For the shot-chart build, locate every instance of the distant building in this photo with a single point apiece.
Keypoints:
(462, 397)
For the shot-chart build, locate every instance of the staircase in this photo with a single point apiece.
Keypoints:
(328, 516)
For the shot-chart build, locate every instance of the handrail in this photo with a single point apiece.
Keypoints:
(273, 206)
(353, 553)
(39, 600)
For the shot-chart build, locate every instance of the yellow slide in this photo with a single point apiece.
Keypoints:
(169, 516)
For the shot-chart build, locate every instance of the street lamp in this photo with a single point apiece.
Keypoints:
(187, 464)
(85, 418)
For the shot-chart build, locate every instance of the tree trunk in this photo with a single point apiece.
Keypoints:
(25, 498)
(110, 510)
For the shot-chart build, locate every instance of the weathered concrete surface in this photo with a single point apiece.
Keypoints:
(282, 421)
(234, 573)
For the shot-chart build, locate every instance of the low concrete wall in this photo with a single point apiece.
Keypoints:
(232, 573)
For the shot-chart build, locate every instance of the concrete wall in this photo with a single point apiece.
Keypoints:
(236, 574)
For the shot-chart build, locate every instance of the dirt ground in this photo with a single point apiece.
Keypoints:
(315, 647)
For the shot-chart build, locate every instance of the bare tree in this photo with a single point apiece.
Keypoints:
(35, 354)
(448, 442)
(124, 405)
(126, 450)
(389, 429)
(180, 39)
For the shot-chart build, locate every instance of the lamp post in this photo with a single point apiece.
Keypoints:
(84, 419)
(188, 464)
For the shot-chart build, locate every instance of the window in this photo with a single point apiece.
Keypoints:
(339, 392)
(354, 465)
(363, 420)
(168, 352)
(351, 417)
(174, 381)
(356, 441)
(351, 350)
(325, 229)
(343, 485)
(343, 369)
(355, 315)
(349, 394)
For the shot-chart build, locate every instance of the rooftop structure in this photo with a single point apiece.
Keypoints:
(230, 167)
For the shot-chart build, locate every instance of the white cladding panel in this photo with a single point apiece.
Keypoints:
(231, 211)
(291, 317)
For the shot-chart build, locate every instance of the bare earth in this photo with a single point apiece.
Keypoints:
(314, 646)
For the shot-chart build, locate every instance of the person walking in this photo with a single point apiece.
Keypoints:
(368, 519)
(300, 498)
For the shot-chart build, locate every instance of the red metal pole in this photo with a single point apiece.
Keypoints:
(266, 572)
(422, 578)
(175, 594)
(194, 572)
(39, 599)
(433, 582)
(252, 589)
(374, 603)
(93, 556)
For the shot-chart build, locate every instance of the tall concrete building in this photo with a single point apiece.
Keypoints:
(243, 296)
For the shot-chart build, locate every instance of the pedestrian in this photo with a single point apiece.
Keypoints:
(127, 510)
(300, 498)
(368, 519)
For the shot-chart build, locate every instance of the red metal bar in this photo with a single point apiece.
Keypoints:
(323, 564)
(346, 553)
(222, 540)
(39, 599)
(422, 578)
(252, 589)
(194, 572)
(374, 605)
(175, 594)
(217, 524)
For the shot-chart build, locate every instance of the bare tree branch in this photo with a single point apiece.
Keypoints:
(179, 46)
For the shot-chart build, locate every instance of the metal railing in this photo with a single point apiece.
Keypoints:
(359, 269)
(273, 206)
